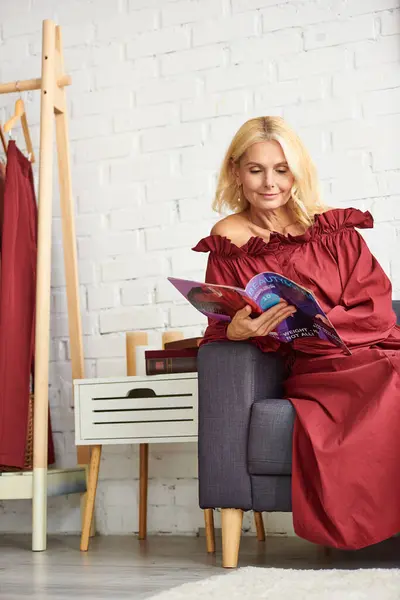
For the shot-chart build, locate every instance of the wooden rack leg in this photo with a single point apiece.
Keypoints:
(91, 496)
(133, 340)
(143, 487)
(69, 246)
(258, 519)
(42, 341)
(210, 531)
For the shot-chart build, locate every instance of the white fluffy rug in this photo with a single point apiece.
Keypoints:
(253, 583)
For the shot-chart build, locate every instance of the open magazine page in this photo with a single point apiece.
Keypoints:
(215, 301)
(310, 320)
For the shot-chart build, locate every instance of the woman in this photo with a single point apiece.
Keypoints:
(346, 449)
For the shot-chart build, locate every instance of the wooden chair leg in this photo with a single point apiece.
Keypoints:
(258, 519)
(210, 532)
(232, 519)
(94, 468)
(143, 486)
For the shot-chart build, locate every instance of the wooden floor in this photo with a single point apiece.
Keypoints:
(118, 568)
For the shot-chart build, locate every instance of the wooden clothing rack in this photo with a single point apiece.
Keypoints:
(43, 482)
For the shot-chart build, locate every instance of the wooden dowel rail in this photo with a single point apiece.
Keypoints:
(30, 84)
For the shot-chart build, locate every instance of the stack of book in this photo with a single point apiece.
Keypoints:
(177, 357)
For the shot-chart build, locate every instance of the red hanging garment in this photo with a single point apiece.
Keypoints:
(17, 307)
(346, 448)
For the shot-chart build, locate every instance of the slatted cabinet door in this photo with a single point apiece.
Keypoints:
(136, 410)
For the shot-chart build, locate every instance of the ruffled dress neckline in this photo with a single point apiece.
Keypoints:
(328, 222)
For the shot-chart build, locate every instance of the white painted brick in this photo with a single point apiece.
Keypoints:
(195, 59)
(223, 30)
(315, 62)
(352, 134)
(90, 127)
(386, 209)
(104, 346)
(311, 113)
(103, 199)
(103, 52)
(269, 46)
(340, 32)
(339, 164)
(77, 57)
(112, 244)
(90, 223)
(141, 317)
(115, 146)
(174, 189)
(204, 158)
(94, 103)
(185, 315)
(213, 105)
(237, 76)
(286, 93)
(390, 22)
(316, 139)
(126, 75)
(189, 261)
(382, 102)
(140, 168)
(192, 210)
(189, 11)
(111, 367)
(159, 42)
(177, 236)
(223, 129)
(383, 50)
(389, 183)
(145, 265)
(243, 5)
(77, 34)
(77, 11)
(166, 292)
(177, 136)
(12, 48)
(360, 80)
(146, 117)
(126, 26)
(87, 272)
(137, 292)
(358, 7)
(143, 217)
(135, 5)
(167, 90)
(297, 14)
(104, 296)
(346, 189)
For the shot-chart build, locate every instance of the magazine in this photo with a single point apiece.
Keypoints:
(263, 291)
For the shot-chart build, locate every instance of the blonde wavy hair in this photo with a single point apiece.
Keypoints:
(305, 201)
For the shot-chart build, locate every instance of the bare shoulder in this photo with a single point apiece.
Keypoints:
(232, 227)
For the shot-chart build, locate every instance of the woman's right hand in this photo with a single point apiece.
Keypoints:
(243, 327)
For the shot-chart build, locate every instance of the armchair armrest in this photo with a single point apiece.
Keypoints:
(231, 375)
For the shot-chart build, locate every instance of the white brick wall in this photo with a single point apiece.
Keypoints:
(159, 88)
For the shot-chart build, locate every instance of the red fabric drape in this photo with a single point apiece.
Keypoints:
(346, 449)
(17, 307)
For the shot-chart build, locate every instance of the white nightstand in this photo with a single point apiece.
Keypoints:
(132, 410)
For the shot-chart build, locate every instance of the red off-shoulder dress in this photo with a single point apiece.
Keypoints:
(346, 444)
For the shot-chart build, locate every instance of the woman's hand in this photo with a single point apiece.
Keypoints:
(242, 327)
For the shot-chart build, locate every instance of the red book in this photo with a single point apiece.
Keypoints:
(161, 362)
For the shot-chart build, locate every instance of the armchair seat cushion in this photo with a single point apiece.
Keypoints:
(270, 437)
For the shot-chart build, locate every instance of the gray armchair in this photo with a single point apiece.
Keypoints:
(245, 436)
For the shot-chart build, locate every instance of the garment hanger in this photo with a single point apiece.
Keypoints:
(20, 114)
